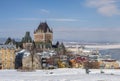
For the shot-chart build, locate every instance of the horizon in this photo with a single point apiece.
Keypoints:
(78, 20)
(3, 39)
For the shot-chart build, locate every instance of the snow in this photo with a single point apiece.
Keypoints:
(95, 46)
(109, 46)
(25, 52)
(64, 74)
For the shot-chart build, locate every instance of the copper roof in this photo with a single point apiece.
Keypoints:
(43, 27)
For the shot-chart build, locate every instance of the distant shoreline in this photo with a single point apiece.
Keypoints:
(110, 46)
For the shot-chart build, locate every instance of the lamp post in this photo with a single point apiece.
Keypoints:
(87, 65)
(101, 68)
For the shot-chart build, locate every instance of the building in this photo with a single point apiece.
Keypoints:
(27, 41)
(26, 60)
(47, 58)
(76, 49)
(7, 56)
(107, 62)
(78, 61)
(43, 33)
(30, 61)
(10, 41)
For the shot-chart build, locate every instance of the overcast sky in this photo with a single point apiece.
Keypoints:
(88, 20)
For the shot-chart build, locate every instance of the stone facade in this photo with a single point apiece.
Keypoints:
(7, 56)
(31, 62)
(43, 33)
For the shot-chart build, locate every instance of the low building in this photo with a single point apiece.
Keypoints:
(7, 56)
(48, 59)
(109, 64)
(78, 61)
(31, 62)
(28, 60)
(80, 50)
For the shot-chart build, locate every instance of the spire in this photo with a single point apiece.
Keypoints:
(27, 37)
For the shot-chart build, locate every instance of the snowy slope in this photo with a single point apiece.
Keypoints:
(60, 75)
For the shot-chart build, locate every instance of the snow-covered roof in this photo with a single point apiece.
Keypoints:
(47, 54)
(8, 46)
(24, 52)
(86, 51)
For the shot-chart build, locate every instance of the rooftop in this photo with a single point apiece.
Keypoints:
(43, 27)
(8, 46)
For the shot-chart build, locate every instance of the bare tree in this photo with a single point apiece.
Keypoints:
(32, 52)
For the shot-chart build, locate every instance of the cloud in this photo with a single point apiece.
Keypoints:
(44, 11)
(87, 34)
(27, 19)
(86, 29)
(105, 7)
(49, 19)
(62, 19)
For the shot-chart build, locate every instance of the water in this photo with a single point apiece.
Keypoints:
(115, 53)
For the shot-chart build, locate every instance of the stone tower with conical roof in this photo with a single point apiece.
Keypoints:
(43, 33)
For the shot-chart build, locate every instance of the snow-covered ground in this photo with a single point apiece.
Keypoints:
(60, 75)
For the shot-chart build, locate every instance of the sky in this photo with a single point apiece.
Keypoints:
(79, 20)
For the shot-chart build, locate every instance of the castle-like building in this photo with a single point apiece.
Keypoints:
(43, 33)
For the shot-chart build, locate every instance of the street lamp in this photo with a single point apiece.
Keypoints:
(101, 68)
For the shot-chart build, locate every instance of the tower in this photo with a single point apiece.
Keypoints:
(43, 33)
(27, 41)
